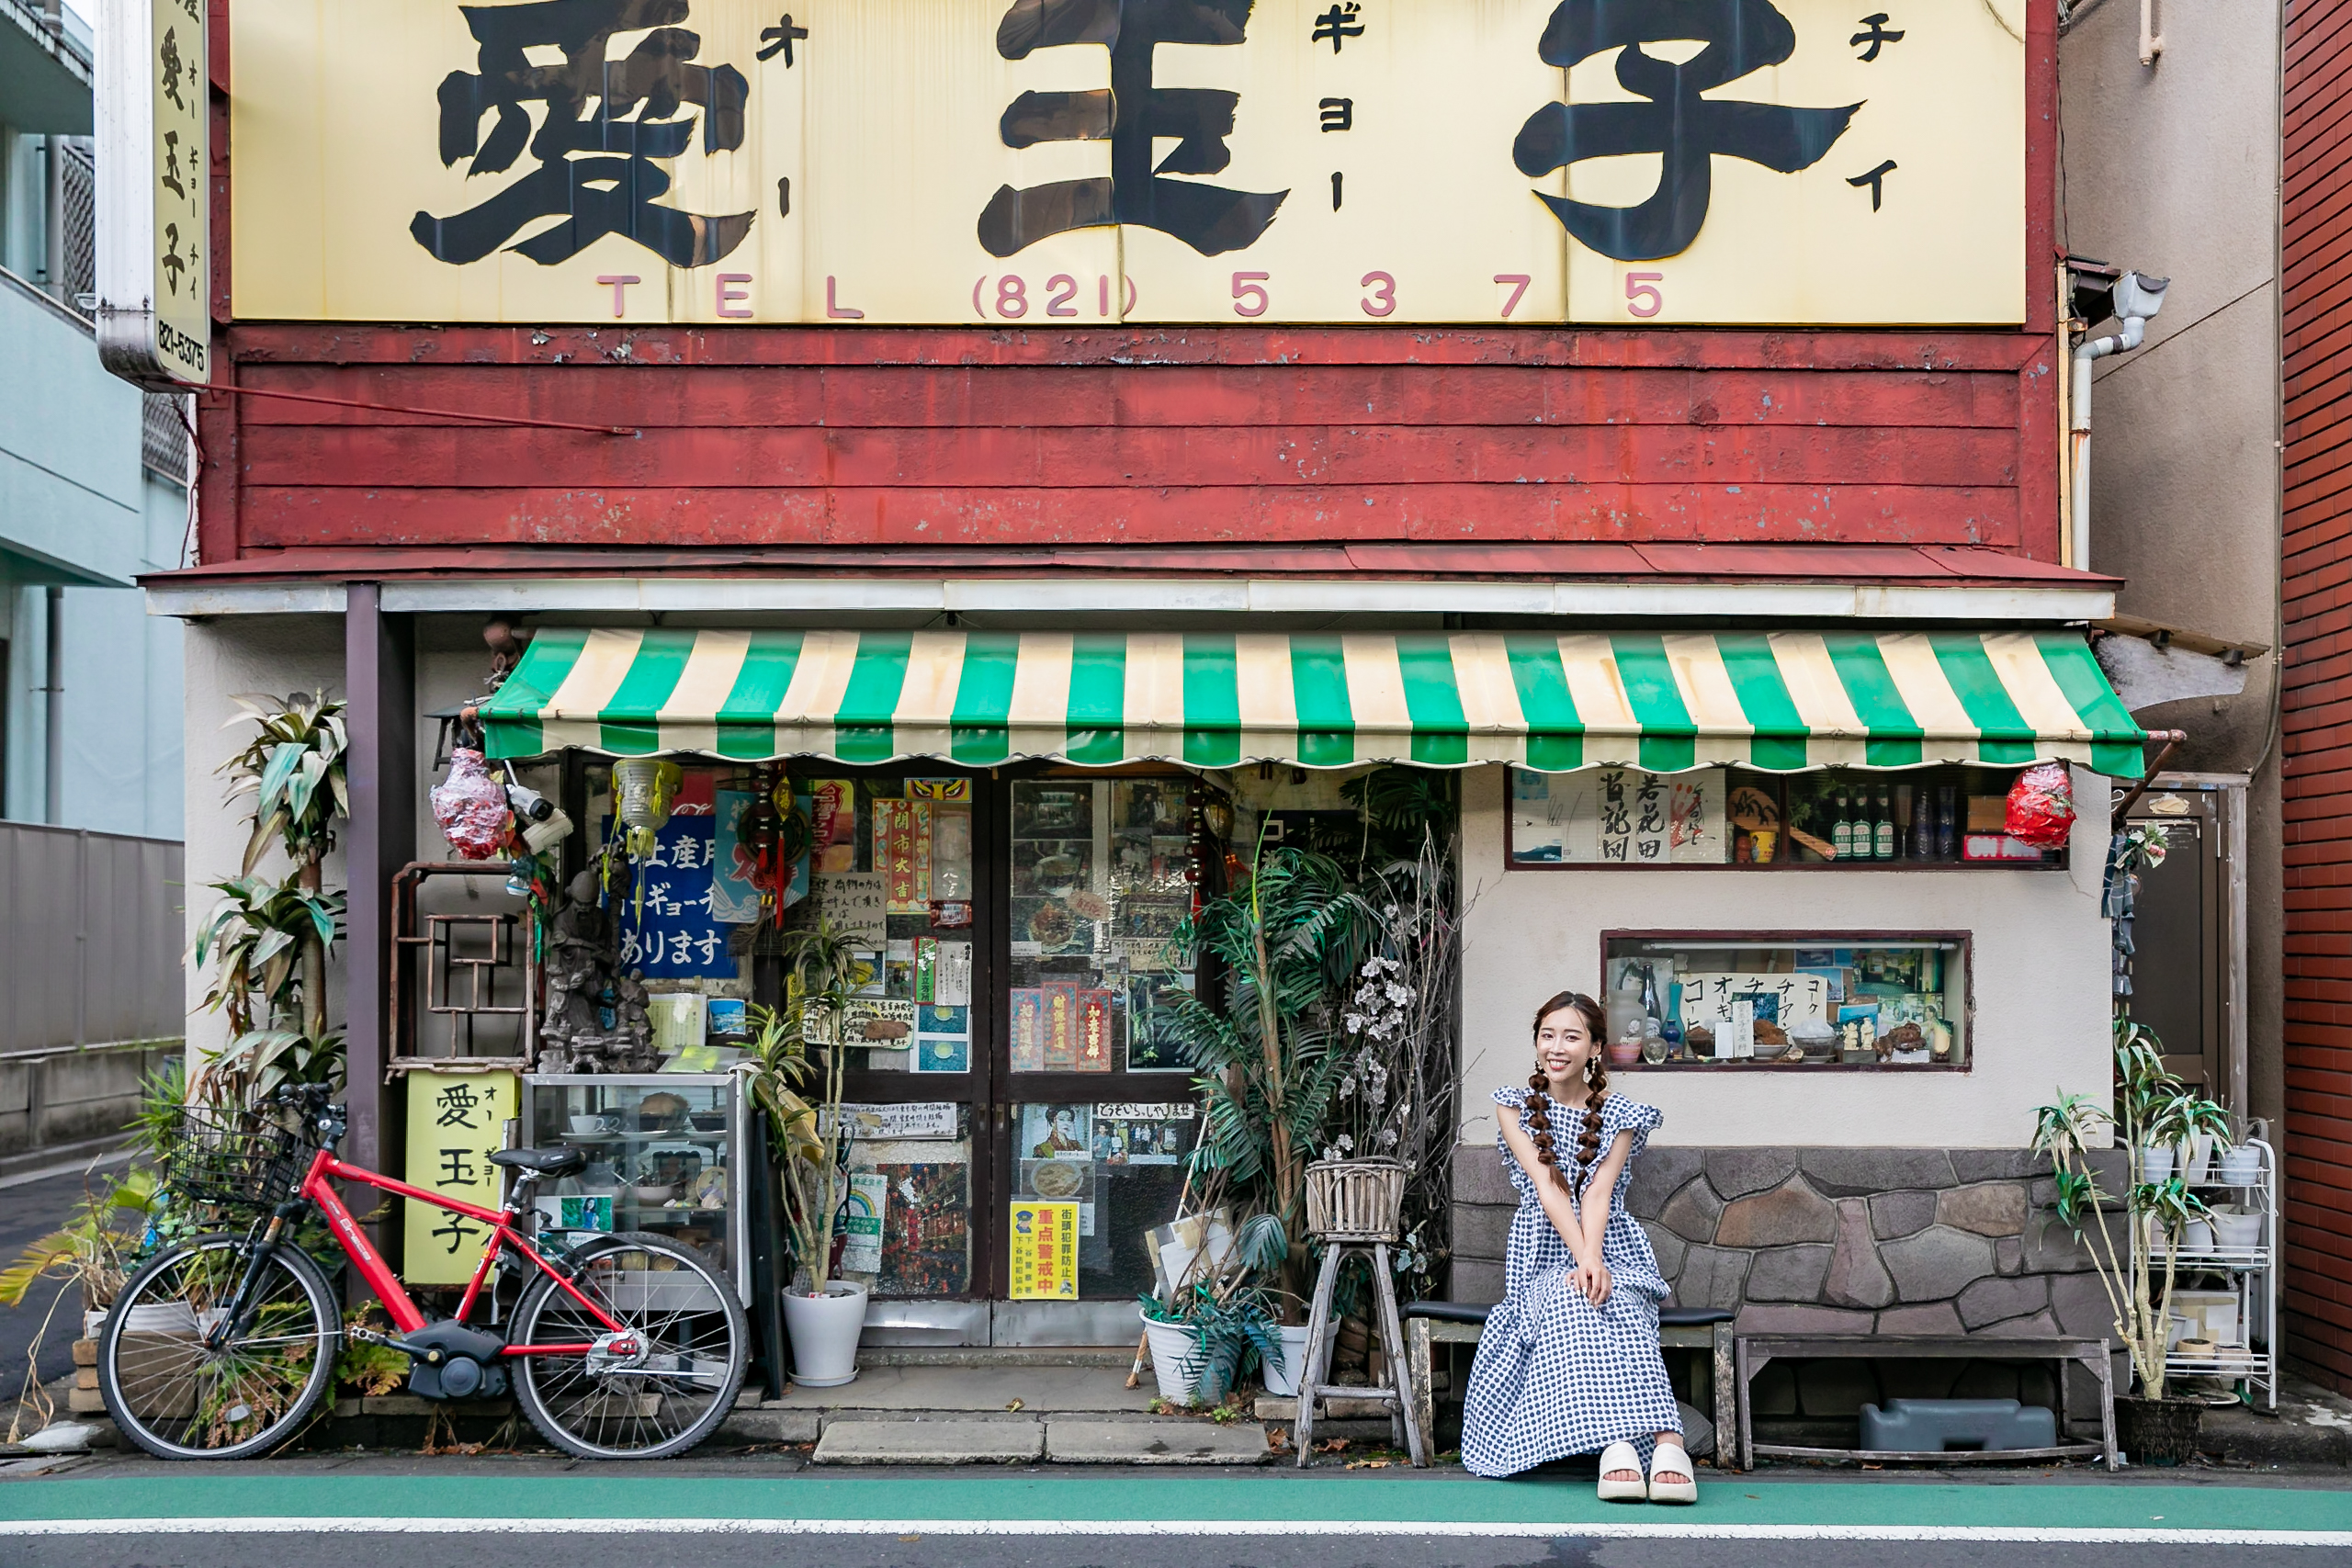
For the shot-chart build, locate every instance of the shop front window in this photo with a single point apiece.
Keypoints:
(907, 1230)
(1113, 1171)
(1834, 819)
(1103, 874)
(1723, 999)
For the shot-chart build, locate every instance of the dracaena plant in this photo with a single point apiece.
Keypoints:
(1267, 1047)
(794, 1069)
(2150, 1109)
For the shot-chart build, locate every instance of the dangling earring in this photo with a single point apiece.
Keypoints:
(1588, 1069)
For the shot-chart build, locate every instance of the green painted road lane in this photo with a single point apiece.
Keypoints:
(1067, 1504)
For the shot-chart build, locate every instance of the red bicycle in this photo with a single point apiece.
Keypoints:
(619, 1346)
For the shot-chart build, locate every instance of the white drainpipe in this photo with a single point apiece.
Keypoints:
(2137, 298)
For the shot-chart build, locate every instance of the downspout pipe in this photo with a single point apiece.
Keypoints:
(53, 710)
(2137, 300)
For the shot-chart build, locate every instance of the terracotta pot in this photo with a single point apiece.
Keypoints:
(2158, 1431)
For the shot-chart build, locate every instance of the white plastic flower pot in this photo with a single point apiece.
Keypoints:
(824, 1332)
(2155, 1162)
(1282, 1381)
(2242, 1167)
(2237, 1232)
(1175, 1359)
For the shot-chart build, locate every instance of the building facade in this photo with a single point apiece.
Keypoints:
(1613, 497)
(94, 480)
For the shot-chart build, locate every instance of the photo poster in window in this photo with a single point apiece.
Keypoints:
(858, 1222)
(1538, 816)
(1044, 1252)
(667, 929)
(734, 890)
(832, 825)
(1057, 1132)
(856, 902)
(943, 1039)
(927, 1224)
(1144, 1133)
(948, 804)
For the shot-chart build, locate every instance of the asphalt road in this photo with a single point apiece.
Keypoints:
(28, 1212)
(1301, 1550)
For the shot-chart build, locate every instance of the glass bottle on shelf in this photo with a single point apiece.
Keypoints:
(1882, 834)
(1841, 832)
(1923, 824)
(1947, 822)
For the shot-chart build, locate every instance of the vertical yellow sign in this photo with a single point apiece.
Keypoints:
(455, 1121)
(183, 191)
(1045, 1252)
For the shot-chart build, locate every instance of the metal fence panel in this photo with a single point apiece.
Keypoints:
(91, 934)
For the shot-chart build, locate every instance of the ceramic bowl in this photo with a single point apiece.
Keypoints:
(653, 1195)
(708, 1120)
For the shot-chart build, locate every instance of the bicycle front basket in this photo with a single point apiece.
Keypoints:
(235, 1159)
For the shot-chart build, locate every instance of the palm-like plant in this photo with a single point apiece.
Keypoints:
(1286, 944)
(296, 770)
(2151, 1109)
(824, 972)
(96, 1250)
(261, 937)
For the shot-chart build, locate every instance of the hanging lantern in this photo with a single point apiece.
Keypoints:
(643, 788)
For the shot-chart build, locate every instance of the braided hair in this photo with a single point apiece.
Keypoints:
(1539, 1099)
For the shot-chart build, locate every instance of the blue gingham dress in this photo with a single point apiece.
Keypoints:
(1554, 1374)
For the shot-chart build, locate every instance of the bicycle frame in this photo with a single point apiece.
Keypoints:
(318, 1187)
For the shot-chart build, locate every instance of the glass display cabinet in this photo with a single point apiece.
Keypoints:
(1705, 1000)
(665, 1153)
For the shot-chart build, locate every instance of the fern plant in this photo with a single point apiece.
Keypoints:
(1266, 1049)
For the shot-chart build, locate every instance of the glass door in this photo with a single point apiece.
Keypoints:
(1096, 1112)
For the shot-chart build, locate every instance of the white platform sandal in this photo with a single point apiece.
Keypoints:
(1683, 1490)
(1616, 1457)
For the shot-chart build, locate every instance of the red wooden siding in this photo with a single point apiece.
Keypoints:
(2317, 348)
(815, 436)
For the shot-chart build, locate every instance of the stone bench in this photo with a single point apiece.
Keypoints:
(1754, 1352)
(1704, 1329)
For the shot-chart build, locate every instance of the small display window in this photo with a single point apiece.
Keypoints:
(1835, 818)
(1712, 999)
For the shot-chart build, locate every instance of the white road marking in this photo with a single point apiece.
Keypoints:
(1614, 1529)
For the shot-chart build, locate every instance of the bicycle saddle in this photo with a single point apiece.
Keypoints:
(562, 1160)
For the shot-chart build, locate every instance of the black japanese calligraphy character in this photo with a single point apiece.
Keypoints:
(457, 1167)
(622, 115)
(169, 177)
(170, 57)
(1339, 113)
(457, 1105)
(459, 1232)
(1691, 130)
(171, 261)
(1876, 36)
(1339, 24)
(779, 37)
(1872, 179)
(1131, 115)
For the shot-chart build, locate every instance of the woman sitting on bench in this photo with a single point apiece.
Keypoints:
(1569, 1359)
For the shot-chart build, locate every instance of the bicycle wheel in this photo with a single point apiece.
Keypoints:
(652, 1399)
(178, 1397)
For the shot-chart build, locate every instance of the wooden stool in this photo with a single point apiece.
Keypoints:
(1404, 1421)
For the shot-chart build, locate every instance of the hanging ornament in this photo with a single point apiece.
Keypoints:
(472, 807)
(2041, 806)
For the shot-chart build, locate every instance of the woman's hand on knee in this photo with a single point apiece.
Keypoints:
(1593, 1280)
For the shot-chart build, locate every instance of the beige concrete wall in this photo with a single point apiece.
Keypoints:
(2041, 984)
(225, 657)
(2173, 169)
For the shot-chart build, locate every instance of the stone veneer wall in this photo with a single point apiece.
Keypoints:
(1831, 1240)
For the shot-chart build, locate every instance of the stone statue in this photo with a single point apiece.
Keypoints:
(596, 1018)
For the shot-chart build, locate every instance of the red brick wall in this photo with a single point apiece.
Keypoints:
(2317, 347)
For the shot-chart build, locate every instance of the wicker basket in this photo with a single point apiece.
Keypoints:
(1356, 1199)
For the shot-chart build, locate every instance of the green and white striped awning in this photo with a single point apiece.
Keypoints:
(1782, 701)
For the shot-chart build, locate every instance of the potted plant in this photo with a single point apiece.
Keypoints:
(796, 1054)
(1267, 1049)
(1209, 1338)
(2151, 1109)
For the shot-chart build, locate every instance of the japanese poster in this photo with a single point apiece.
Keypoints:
(855, 902)
(664, 913)
(1144, 1134)
(1057, 1132)
(926, 1227)
(1618, 816)
(1018, 163)
(455, 1121)
(859, 1223)
(900, 1120)
(1044, 1246)
(1028, 1009)
(943, 1039)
